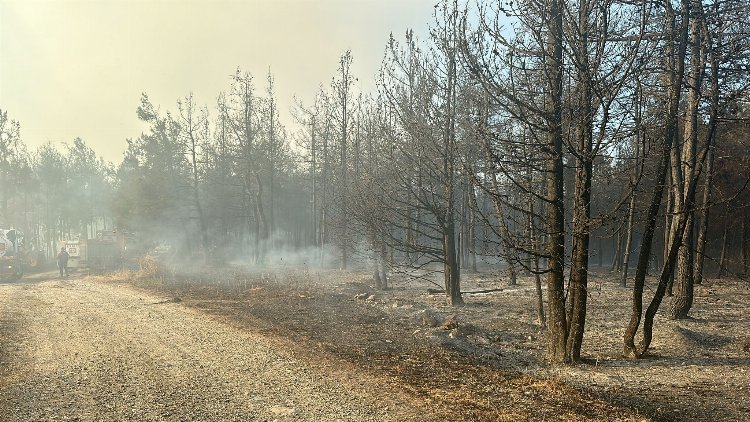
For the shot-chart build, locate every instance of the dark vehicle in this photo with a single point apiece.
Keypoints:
(11, 254)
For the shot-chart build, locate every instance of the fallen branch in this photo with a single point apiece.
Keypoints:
(439, 291)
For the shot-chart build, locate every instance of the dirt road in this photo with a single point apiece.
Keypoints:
(79, 350)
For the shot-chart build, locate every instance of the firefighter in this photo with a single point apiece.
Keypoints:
(62, 261)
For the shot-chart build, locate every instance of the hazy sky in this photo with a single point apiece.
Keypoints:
(73, 68)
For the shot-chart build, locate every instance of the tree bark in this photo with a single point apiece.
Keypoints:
(472, 240)
(344, 182)
(508, 251)
(677, 66)
(633, 181)
(683, 298)
(383, 265)
(700, 251)
(578, 290)
(724, 250)
(535, 258)
(745, 246)
(557, 333)
(451, 269)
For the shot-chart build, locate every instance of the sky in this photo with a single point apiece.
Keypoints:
(77, 68)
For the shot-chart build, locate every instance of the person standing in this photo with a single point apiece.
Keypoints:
(62, 261)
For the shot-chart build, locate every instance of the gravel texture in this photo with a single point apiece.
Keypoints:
(80, 350)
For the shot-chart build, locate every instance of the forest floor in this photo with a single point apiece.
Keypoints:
(483, 361)
(489, 355)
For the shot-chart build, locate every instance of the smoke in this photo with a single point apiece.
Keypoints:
(280, 257)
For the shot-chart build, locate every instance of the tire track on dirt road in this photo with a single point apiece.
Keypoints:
(78, 350)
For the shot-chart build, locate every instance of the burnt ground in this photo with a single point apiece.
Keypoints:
(485, 360)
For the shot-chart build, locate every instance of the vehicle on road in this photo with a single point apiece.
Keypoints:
(11, 254)
(107, 251)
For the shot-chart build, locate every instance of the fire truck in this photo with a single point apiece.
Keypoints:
(105, 252)
(11, 254)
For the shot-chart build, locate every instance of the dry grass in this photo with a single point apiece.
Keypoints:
(150, 272)
(496, 370)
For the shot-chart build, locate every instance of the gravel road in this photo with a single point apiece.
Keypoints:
(73, 349)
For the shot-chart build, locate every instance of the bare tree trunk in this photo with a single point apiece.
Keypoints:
(681, 230)
(472, 240)
(669, 265)
(557, 333)
(678, 204)
(677, 66)
(745, 248)
(410, 241)
(271, 220)
(578, 291)
(683, 299)
(261, 214)
(700, 251)
(198, 205)
(314, 179)
(325, 181)
(508, 251)
(692, 182)
(376, 254)
(724, 249)
(541, 319)
(256, 226)
(579, 262)
(344, 99)
(668, 212)
(452, 272)
(633, 181)
(384, 265)
(617, 256)
(628, 242)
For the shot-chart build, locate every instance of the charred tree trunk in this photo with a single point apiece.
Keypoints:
(451, 271)
(197, 203)
(579, 262)
(262, 220)
(376, 254)
(617, 256)
(314, 181)
(508, 251)
(344, 172)
(724, 250)
(745, 246)
(384, 265)
(325, 181)
(633, 181)
(451, 268)
(700, 250)
(472, 229)
(535, 260)
(677, 67)
(668, 214)
(628, 242)
(473, 240)
(683, 299)
(578, 292)
(557, 333)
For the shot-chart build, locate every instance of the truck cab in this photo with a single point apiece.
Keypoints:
(11, 254)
